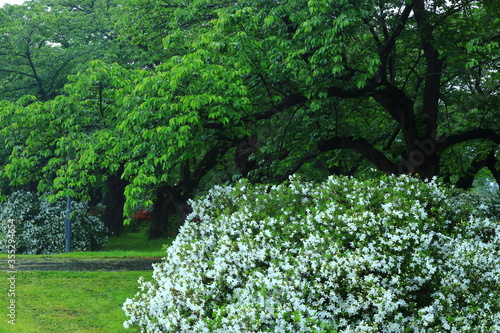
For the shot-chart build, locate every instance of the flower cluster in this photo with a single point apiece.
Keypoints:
(40, 225)
(389, 255)
(141, 215)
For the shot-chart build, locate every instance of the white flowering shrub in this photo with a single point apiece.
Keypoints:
(483, 203)
(40, 225)
(390, 255)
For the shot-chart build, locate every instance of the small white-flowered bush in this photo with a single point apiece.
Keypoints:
(40, 225)
(387, 255)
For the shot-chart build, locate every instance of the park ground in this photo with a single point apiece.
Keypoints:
(73, 300)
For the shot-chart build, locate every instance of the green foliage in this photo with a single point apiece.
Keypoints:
(322, 86)
(42, 42)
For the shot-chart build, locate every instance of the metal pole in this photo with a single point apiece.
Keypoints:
(68, 223)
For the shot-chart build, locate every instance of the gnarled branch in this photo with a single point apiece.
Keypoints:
(475, 134)
(362, 146)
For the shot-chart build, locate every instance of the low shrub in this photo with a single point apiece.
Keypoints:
(140, 221)
(40, 225)
(388, 255)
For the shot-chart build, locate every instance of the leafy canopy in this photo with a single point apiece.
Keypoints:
(320, 87)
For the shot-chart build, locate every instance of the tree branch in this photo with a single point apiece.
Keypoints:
(362, 146)
(16, 72)
(391, 41)
(467, 179)
(207, 163)
(395, 101)
(487, 134)
(287, 102)
(434, 67)
(296, 167)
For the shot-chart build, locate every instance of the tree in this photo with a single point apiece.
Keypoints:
(386, 80)
(316, 88)
(376, 79)
(55, 136)
(44, 41)
(398, 66)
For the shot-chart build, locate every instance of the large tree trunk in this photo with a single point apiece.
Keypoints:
(115, 200)
(489, 161)
(491, 164)
(182, 210)
(173, 200)
(162, 209)
(168, 203)
(242, 155)
(424, 159)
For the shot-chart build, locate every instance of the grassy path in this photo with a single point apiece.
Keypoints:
(87, 264)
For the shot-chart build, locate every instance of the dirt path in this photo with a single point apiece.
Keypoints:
(70, 264)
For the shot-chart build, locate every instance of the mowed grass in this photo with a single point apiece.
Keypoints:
(69, 301)
(80, 302)
(137, 242)
(128, 245)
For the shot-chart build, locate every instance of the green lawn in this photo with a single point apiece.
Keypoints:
(69, 301)
(80, 302)
(128, 245)
(138, 242)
